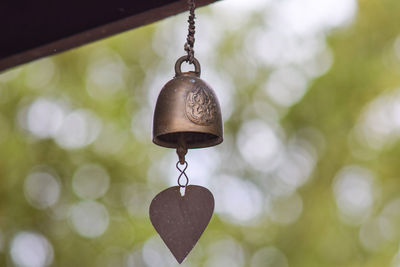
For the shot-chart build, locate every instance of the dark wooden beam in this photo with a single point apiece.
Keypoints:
(34, 29)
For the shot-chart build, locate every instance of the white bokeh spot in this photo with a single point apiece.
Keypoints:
(29, 249)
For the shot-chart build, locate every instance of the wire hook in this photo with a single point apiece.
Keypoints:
(182, 173)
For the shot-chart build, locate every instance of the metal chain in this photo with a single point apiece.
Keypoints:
(191, 30)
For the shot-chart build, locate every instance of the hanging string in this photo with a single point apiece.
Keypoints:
(191, 30)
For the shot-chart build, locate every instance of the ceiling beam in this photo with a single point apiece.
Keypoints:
(35, 29)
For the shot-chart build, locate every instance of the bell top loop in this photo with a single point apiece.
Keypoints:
(178, 64)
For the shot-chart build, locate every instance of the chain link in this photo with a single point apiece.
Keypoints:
(191, 30)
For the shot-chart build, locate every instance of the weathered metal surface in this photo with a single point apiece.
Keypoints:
(34, 29)
(180, 220)
(187, 112)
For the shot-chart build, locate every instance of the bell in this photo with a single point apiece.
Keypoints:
(187, 113)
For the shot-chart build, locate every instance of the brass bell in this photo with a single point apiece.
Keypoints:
(187, 113)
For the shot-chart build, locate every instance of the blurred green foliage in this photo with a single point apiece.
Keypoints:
(308, 173)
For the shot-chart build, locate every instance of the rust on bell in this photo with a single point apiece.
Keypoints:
(187, 109)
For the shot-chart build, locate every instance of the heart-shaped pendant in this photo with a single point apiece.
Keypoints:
(180, 220)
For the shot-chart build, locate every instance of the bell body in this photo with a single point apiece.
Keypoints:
(187, 112)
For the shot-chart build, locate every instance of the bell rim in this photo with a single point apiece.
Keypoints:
(213, 142)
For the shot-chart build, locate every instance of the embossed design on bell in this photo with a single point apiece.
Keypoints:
(200, 106)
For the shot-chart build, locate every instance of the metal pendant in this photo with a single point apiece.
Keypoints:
(187, 115)
(180, 220)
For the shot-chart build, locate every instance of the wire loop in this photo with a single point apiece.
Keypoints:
(178, 64)
(182, 174)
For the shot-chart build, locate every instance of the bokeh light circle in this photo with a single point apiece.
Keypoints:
(269, 257)
(89, 218)
(29, 249)
(90, 181)
(42, 189)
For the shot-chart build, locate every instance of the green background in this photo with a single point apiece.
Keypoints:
(307, 175)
